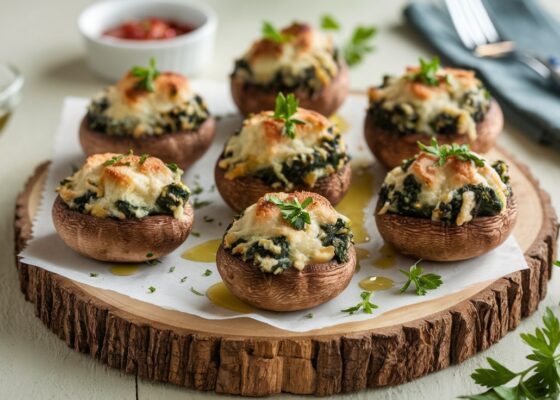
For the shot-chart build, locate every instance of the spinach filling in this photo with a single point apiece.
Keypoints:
(188, 117)
(171, 197)
(328, 153)
(256, 252)
(403, 118)
(406, 201)
(284, 81)
(81, 202)
(339, 236)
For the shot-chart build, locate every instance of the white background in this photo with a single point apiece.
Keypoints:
(41, 38)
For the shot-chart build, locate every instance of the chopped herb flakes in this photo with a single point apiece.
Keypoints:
(193, 290)
(308, 315)
(151, 289)
(183, 279)
(428, 72)
(206, 218)
(172, 269)
(200, 203)
(93, 274)
(195, 234)
(208, 272)
(172, 166)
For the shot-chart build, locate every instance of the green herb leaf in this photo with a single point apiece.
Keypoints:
(428, 72)
(183, 279)
(460, 152)
(172, 166)
(193, 290)
(147, 75)
(151, 289)
(308, 315)
(93, 274)
(556, 263)
(422, 282)
(149, 254)
(365, 305)
(286, 106)
(143, 158)
(208, 272)
(271, 33)
(197, 189)
(358, 45)
(328, 23)
(116, 159)
(195, 234)
(200, 203)
(540, 381)
(292, 211)
(171, 269)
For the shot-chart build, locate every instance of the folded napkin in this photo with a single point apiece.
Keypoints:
(528, 100)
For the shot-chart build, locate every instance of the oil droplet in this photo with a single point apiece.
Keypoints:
(372, 283)
(124, 269)
(356, 200)
(361, 254)
(204, 252)
(220, 295)
(341, 123)
(388, 257)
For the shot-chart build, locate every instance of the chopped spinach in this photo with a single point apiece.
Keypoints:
(486, 200)
(81, 202)
(257, 252)
(171, 197)
(406, 201)
(339, 236)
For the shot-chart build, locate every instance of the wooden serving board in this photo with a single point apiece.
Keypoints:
(247, 357)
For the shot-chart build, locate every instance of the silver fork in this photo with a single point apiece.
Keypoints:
(478, 33)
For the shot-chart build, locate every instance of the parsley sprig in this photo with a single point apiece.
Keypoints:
(365, 305)
(428, 72)
(271, 33)
(556, 263)
(540, 381)
(422, 282)
(147, 75)
(358, 45)
(286, 107)
(461, 152)
(293, 211)
(116, 159)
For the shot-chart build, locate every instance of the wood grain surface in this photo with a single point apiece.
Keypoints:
(250, 358)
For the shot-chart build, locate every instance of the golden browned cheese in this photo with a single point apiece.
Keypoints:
(129, 178)
(263, 221)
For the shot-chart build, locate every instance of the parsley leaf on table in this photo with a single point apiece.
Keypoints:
(147, 75)
(365, 305)
(286, 107)
(293, 211)
(358, 46)
(422, 282)
(428, 72)
(539, 381)
(461, 152)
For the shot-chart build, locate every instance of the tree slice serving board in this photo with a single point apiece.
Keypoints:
(247, 357)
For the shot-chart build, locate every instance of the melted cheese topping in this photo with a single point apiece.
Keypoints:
(438, 184)
(124, 180)
(263, 221)
(128, 102)
(305, 49)
(261, 144)
(431, 101)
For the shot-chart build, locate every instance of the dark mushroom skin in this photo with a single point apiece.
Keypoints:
(423, 238)
(240, 193)
(251, 98)
(291, 290)
(391, 148)
(121, 240)
(182, 148)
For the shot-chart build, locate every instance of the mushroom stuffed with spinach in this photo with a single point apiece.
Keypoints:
(448, 104)
(286, 150)
(150, 112)
(297, 59)
(446, 203)
(123, 208)
(286, 252)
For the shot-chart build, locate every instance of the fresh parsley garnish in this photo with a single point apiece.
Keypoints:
(171, 269)
(556, 263)
(147, 75)
(541, 380)
(193, 290)
(184, 278)
(358, 45)
(143, 158)
(271, 33)
(208, 272)
(365, 305)
(328, 23)
(286, 107)
(428, 72)
(308, 315)
(150, 260)
(422, 282)
(93, 274)
(195, 234)
(172, 166)
(197, 189)
(200, 203)
(151, 289)
(116, 159)
(461, 152)
(293, 211)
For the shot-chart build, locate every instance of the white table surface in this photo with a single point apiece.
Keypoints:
(42, 39)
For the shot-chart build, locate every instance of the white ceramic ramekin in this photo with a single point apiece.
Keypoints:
(111, 57)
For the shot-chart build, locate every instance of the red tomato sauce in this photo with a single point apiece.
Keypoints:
(149, 29)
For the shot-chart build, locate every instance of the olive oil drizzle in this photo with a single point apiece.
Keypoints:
(375, 283)
(219, 295)
(124, 269)
(203, 252)
(387, 259)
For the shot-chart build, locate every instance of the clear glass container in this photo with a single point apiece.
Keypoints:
(11, 83)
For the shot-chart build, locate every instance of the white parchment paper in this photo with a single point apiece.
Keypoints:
(46, 249)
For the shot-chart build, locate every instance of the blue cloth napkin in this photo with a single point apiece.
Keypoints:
(528, 100)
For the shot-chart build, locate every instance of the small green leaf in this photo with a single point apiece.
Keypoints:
(172, 269)
(93, 274)
(460, 152)
(422, 282)
(143, 158)
(183, 279)
(147, 75)
(428, 72)
(292, 211)
(308, 315)
(365, 305)
(285, 108)
(208, 272)
(270, 32)
(172, 166)
(328, 23)
(151, 289)
(358, 45)
(193, 290)
(200, 203)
